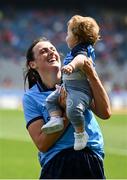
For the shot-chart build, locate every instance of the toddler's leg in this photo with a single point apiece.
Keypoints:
(56, 121)
(76, 105)
(80, 140)
(55, 124)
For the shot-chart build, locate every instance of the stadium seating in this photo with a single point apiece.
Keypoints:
(18, 28)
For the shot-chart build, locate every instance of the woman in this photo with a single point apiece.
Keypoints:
(56, 154)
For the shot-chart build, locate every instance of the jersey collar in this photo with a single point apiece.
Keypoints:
(43, 88)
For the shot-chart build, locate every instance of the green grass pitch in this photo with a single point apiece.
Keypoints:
(18, 155)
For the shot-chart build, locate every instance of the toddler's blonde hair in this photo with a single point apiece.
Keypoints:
(85, 29)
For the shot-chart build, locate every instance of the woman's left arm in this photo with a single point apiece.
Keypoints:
(101, 103)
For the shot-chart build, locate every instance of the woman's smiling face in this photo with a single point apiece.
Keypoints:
(46, 57)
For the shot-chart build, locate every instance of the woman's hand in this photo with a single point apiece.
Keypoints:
(88, 67)
(62, 97)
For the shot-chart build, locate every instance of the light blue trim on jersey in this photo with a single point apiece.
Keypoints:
(34, 106)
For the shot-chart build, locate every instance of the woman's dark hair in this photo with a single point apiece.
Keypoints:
(30, 74)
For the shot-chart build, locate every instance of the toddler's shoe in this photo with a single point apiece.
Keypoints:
(80, 140)
(55, 124)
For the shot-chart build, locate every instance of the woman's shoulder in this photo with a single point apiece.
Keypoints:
(34, 94)
(31, 90)
(30, 94)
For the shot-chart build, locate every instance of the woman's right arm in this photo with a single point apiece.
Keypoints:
(43, 141)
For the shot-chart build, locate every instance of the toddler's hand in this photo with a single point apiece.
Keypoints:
(67, 69)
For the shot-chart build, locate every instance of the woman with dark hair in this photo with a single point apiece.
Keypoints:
(57, 157)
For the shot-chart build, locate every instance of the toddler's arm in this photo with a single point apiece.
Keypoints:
(76, 63)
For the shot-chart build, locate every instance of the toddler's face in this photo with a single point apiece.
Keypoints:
(70, 38)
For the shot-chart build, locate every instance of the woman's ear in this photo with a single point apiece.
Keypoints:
(32, 64)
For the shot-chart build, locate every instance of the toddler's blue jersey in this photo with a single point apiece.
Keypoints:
(85, 49)
(34, 109)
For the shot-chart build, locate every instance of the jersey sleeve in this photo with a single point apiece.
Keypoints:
(31, 110)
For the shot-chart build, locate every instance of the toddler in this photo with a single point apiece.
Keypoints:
(82, 35)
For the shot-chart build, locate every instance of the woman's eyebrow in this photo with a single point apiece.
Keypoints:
(46, 48)
(52, 47)
(43, 48)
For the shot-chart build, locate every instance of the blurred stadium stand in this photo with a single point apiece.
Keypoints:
(22, 21)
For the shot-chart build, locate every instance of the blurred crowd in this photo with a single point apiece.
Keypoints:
(19, 27)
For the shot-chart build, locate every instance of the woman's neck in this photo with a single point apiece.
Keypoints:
(50, 80)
